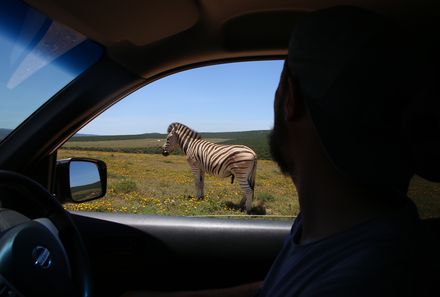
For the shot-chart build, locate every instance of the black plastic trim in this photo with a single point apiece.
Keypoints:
(163, 253)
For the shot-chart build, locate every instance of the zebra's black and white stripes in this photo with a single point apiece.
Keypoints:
(220, 160)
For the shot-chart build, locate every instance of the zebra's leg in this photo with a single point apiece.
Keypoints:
(199, 182)
(199, 179)
(246, 201)
(246, 176)
(243, 202)
(248, 192)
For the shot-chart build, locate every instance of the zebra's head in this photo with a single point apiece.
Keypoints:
(172, 141)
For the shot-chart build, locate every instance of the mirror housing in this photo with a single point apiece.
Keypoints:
(80, 179)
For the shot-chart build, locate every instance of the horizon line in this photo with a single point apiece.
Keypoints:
(139, 134)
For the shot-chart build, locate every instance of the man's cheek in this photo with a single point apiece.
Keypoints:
(276, 102)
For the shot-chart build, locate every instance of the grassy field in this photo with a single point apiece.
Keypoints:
(125, 143)
(150, 143)
(137, 145)
(119, 143)
(426, 195)
(153, 184)
(143, 181)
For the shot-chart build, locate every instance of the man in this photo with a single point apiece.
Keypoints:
(339, 135)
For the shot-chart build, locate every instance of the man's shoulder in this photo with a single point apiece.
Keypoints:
(373, 256)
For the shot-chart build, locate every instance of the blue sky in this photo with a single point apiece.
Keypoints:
(225, 97)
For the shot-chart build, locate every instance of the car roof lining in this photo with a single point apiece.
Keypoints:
(189, 32)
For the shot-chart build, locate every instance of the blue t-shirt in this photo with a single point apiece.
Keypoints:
(374, 258)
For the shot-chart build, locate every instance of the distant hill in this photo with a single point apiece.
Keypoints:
(224, 135)
(256, 140)
(86, 137)
(151, 142)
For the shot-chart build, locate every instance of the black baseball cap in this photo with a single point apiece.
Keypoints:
(357, 73)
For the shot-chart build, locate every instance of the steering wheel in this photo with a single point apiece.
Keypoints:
(44, 256)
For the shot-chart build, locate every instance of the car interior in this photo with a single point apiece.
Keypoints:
(141, 42)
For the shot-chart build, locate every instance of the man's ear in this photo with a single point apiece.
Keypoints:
(293, 104)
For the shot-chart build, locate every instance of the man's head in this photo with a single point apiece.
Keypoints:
(352, 71)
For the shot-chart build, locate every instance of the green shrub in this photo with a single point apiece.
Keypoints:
(266, 197)
(125, 186)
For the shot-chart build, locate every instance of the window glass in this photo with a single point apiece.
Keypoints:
(38, 57)
(227, 104)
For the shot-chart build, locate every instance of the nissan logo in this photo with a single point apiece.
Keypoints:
(41, 257)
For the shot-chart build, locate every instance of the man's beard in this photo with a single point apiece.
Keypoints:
(277, 139)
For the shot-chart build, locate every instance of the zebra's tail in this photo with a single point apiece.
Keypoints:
(251, 178)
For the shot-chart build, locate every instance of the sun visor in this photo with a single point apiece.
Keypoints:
(110, 22)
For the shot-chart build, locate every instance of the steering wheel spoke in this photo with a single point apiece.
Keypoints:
(6, 289)
(34, 261)
(44, 256)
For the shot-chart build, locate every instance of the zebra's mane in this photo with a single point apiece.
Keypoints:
(182, 128)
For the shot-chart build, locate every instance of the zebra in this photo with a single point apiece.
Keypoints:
(220, 160)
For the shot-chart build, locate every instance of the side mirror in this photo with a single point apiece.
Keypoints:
(79, 180)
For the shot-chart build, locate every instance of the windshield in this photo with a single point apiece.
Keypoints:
(38, 57)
